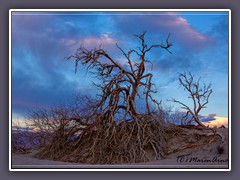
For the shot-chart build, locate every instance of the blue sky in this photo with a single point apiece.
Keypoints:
(41, 41)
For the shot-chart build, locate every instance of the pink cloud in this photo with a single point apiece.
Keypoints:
(89, 42)
(105, 40)
(182, 32)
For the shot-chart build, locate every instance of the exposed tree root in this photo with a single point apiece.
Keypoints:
(138, 141)
(128, 142)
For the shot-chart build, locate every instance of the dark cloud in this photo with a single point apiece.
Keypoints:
(207, 118)
(176, 117)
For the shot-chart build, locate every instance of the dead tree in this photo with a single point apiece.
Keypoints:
(115, 130)
(112, 130)
(120, 85)
(199, 93)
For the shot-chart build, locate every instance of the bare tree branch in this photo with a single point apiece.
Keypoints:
(198, 94)
(120, 85)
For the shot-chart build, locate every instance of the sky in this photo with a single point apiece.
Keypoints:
(41, 42)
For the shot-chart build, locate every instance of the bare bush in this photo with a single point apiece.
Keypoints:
(199, 93)
(108, 144)
(84, 138)
(22, 139)
(61, 120)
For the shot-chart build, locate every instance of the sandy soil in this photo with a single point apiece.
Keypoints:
(203, 157)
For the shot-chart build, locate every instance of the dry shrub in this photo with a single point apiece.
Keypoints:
(74, 135)
(20, 142)
(91, 139)
(127, 142)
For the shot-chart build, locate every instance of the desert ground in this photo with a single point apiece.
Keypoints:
(203, 157)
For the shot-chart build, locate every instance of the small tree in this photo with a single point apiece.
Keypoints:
(199, 93)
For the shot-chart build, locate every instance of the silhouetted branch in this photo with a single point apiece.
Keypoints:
(198, 94)
(120, 85)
